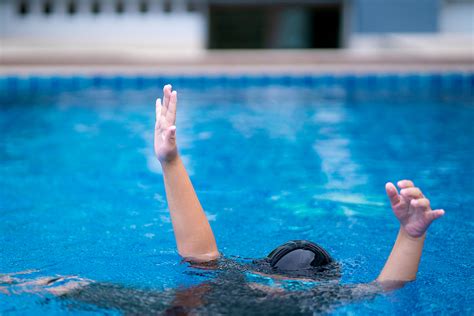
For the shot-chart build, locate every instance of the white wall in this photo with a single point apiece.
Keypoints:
(175, 30)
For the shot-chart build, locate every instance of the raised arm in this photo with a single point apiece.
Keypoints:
(415, 215)
(193, 233)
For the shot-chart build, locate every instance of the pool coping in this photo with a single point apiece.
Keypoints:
(234, 62)
(29, 70)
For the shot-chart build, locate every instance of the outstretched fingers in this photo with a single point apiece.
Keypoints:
(423, 206)
(411, 193)
(165, 130)
(157, 113)
(171, 112)
(392, 193)
(166, 99)
(435, 214)
(403, 184)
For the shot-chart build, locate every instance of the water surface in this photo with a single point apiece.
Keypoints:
(82, 194)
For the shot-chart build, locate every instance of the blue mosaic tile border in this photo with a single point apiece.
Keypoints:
(410, 81)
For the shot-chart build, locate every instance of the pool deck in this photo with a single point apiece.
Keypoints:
(233, 62)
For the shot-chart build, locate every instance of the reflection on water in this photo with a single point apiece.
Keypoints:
(337, 165)
(230, 287)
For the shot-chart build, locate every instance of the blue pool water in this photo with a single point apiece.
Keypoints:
(271, 158)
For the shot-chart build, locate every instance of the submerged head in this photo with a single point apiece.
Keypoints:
(300, 259)
(297, 255)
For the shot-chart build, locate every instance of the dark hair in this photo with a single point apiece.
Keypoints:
(300, 259)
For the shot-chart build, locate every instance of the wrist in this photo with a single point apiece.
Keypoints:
(169, 161)
(403, 233)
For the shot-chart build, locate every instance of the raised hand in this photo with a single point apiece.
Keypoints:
(165, 129)
(192, 231)
(411, 208)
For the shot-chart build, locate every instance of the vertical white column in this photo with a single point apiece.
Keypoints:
(35, 8)
(108, 7)
(7, 11)
(131, 7)
(179, 6)
(59, 8)
(155, 7)
(83, 8)
(8, 8)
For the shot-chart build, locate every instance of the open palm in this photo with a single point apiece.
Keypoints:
(411, 208)
(165, 129)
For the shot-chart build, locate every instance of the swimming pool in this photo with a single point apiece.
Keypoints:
(272, 158)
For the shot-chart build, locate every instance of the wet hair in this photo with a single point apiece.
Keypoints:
(297, 255)
(300, 259)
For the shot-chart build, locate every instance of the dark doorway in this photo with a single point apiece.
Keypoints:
(236, 27)
(326, 26)
(274, 26)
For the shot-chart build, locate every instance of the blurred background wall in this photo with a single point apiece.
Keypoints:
(192, 27)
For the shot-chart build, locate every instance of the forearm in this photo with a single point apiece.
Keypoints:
(402, 264)
(194, 237)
